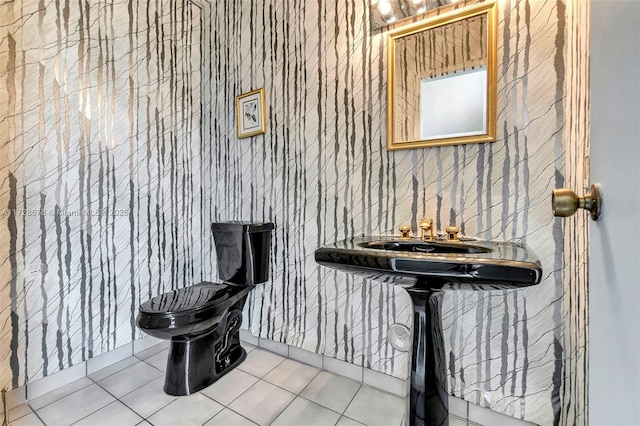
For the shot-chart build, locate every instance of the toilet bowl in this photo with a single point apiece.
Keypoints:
(203, 321)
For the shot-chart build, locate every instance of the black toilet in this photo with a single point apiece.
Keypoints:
(203, 321)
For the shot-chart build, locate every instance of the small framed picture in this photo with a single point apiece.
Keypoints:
(252, 117)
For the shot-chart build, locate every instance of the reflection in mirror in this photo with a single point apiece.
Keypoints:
(454, 105)
(385, 12)
(441, 80)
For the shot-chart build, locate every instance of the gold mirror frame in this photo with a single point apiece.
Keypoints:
(490, 9)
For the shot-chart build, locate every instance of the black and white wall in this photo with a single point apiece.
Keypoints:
(119, 124)
(101, 199)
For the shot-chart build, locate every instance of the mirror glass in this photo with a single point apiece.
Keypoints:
(442, 80)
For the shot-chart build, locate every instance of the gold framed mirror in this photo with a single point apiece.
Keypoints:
(441, 80)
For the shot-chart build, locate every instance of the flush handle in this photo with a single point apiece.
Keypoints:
(565, 202)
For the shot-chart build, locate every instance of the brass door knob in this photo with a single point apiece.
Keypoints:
(405, 231)
(565, 202)
(452, 233)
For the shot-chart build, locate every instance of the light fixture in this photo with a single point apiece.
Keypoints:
(384, 7)
(420, 6)
(386, 11)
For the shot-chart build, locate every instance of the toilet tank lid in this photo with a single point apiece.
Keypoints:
(241, 226)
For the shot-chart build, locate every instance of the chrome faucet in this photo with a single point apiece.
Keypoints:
(426, 224)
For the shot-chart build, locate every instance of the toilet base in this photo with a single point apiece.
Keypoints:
(196, 362)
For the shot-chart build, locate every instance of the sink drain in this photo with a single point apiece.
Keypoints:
(399, 337)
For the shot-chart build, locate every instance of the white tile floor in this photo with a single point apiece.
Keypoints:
(266, 389)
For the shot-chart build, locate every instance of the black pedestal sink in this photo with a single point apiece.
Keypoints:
(426, 269)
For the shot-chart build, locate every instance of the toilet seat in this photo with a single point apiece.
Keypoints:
(189, 309)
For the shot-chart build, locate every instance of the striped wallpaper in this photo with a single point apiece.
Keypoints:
(129, 107)
(101, 196)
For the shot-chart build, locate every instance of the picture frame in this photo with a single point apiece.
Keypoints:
(251, 114)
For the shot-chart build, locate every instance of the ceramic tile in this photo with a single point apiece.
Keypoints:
(248, 347)
(148, 399)
(227, 417)
(15, 398)
(304, 412)
(281, 349)
(259, 363)
(343, 368)
(230, 386)
(19, 411)
(55, 381)
(385, 382)
(146, 342)
(130, 379)
(113, 368)
(262, 402)
(75, 406)
(159, 360)
(194, 409)
(247, 337)
(346, 421)
(151, 351)
(485, 416)
(59, 393)
(109, 358)
(292, 375)
(115, 413)
(331, 391)
(138, 384)
(28, 420)
(457, 421)
(458, 407)
(375, 408)
(305, 357)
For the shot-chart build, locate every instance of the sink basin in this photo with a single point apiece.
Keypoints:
(441, 265)
(423, 246)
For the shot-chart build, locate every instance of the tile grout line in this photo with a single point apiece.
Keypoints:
(297, 395)
(226, 407)
(37, 415)
(206, 396)
(200, 392)
(263, 378)
(282, 411)
(96, 382)
(62, 397)
(155, 412)
(119, 399)
(351, 400)
(111, 402)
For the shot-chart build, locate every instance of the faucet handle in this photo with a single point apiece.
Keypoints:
(405, 231)
(426, 224)
(452, 233)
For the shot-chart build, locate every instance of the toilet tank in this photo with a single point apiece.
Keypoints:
(243, 250)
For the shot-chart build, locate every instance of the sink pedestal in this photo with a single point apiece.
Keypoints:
(429, 400)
